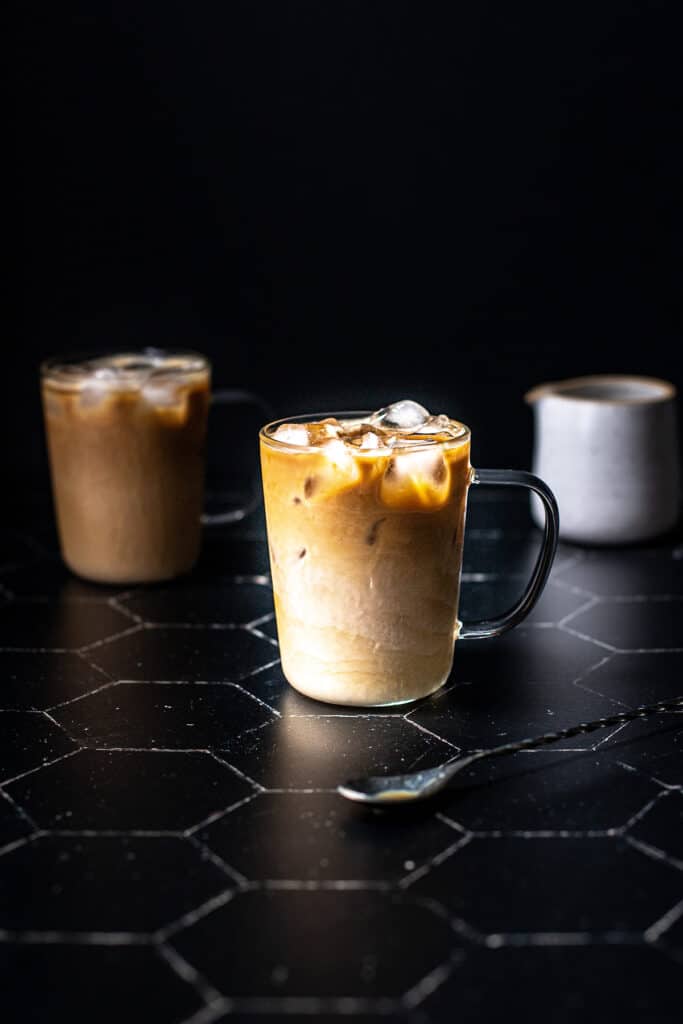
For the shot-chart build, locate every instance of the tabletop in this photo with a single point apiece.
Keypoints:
(172, 848)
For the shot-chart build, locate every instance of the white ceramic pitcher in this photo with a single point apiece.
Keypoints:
(608, 447)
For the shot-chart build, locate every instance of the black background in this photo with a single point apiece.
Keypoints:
(347, 202)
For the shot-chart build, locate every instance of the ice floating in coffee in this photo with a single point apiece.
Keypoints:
(126, 371)
(404, 424)
(403, 415)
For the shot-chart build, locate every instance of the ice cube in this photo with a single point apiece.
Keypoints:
(162, 392)
(90, 396)
(116, 378)
(292, 433)
(338, 454)
(370, 440)
(435, 425)
(324, 430)
(417, 479)
(343, 469)
(104, 375)
(403, 415)
(97, 385)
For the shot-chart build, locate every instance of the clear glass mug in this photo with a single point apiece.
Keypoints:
(126, 438)
(366, 558)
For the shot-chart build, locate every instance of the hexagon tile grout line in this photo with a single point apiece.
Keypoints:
(457, 869)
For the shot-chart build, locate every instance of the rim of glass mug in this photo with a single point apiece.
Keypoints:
(71, 369)
(606, 388)
(266, 432)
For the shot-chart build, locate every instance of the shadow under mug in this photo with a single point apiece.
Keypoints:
(126, 438)
(366, 558)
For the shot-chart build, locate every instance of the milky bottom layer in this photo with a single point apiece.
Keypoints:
(366, 594)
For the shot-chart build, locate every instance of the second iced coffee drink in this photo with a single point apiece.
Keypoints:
(365, 526)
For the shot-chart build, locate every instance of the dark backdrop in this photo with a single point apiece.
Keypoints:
(348, 201)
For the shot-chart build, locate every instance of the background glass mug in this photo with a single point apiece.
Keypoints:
(126, 438)
(366, 556)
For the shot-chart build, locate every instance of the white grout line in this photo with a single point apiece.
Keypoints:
(130, 631)
(187, 973)
(193, 916)
(498, 940)
(664, 923)
(217, 815)
(654, 852)
(432, 981)
(45, 764)
(93, 938)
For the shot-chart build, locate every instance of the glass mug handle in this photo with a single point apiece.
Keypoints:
(519, 478)
(235, 397)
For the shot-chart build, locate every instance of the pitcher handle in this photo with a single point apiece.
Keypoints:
(519, 478)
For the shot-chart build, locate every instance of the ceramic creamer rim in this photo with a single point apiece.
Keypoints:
(660, 390)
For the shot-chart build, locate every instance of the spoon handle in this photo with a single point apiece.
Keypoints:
(578, 730)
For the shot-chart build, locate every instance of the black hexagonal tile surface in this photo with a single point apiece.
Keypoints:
(321, 752)
(373, 951)
(546, 790)
(30, 679)
(487, 598)
(632, 625)
(525, 655)
(558, 884)
(228, 602)
(49, 578)
(662, 827)
(28, 740)
(319, 836)
(58, 624)
(13, 825)
(635, 679)
(635, 572)
(104, 883)
(494, 709)
(653, 746)
(269, 628)
(386, 1012)
(672, 939)
(85, 983)
(221, 655)
(15, 550)
(223, 556)
(562, 984)
(129, 790)
(344, 911)
(189, 716)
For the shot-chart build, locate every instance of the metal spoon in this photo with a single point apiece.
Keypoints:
(392, 789)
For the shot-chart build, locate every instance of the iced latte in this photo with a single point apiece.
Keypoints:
(126, 438)
(365, 520)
